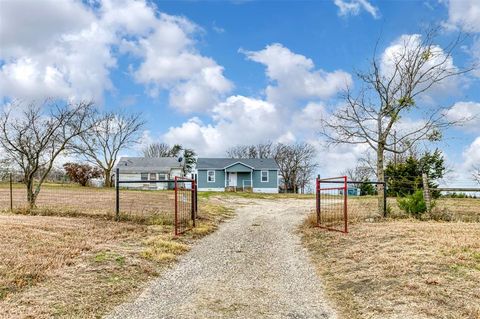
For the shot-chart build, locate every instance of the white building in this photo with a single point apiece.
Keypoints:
(144, 170)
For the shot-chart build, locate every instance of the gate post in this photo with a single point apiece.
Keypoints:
(193, 192)
(176, 207)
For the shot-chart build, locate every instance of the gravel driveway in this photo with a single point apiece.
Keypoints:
(254, 266)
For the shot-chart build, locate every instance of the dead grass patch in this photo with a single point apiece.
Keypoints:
(400, 268)
(449, 209)
(82, 267)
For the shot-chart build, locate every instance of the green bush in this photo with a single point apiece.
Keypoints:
(413, 204)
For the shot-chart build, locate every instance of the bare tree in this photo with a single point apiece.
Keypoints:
(159, 150)
(476, 174)
(262, 150)
(358, 173)
(110, 133)
(36, 135)
(391, 89)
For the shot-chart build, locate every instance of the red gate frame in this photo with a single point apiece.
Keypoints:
(319, 200)
(193, 202)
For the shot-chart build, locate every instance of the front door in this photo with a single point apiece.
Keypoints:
(232, 179)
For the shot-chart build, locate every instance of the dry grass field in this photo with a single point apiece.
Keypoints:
(76, 201)
(82, 267)
(449, 209)
(400, 268)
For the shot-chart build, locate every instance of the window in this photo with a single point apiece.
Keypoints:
(153, 176)
(162, 177)
(264, 176)
(144, 176)
(211, 176)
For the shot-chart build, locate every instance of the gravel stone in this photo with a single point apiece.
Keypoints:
(253, 266)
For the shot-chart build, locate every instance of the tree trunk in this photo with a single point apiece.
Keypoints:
(380, 178)
(108, 177)
(30, 194)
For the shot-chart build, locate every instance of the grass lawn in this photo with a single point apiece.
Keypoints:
(400, 268)
(82, 267)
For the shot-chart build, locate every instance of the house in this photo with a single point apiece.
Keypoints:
(145, 169)
(221, 174)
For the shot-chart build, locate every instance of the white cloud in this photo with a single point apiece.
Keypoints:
(294, 77)
(471, 154)
(354, 7)
(67, 49)
(466, 110)
(171, 62)
(463, 14)
(61, 51)
(237, 120)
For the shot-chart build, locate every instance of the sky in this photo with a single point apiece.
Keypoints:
(213, 74)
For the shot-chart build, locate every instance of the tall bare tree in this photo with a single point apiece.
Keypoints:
(392, 87)
(262, 150)
(160, 150)
(110, 133)
(34, 135)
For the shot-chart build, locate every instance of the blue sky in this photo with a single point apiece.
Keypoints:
(212, 74)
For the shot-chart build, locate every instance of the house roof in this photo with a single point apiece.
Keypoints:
(222, 163)
(148, 164)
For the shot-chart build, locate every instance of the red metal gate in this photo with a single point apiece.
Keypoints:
(185, 204)
(331, 203)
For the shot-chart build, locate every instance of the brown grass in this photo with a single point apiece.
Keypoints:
(72, 200)
(400, 268)
(82, 267)
(450, 209)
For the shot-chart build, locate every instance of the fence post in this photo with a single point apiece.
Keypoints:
(426, 192)
(385, 196)
(317, 198)
(117, 194)
(345, 196)
(11, 193)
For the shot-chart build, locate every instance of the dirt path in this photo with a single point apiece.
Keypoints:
(253, 267)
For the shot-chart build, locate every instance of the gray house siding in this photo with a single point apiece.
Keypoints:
(245, 172)
(272, 180)
(219, 179)
(243, 177)
(239, 168)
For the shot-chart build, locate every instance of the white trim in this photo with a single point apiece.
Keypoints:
(239, 163)
(266, 190)
(261, 176)
(211, 189)
(214, 176)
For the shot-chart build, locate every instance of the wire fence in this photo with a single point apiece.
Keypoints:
(340, 201)
(150, 202)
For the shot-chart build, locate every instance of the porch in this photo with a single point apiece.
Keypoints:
(238, 181)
